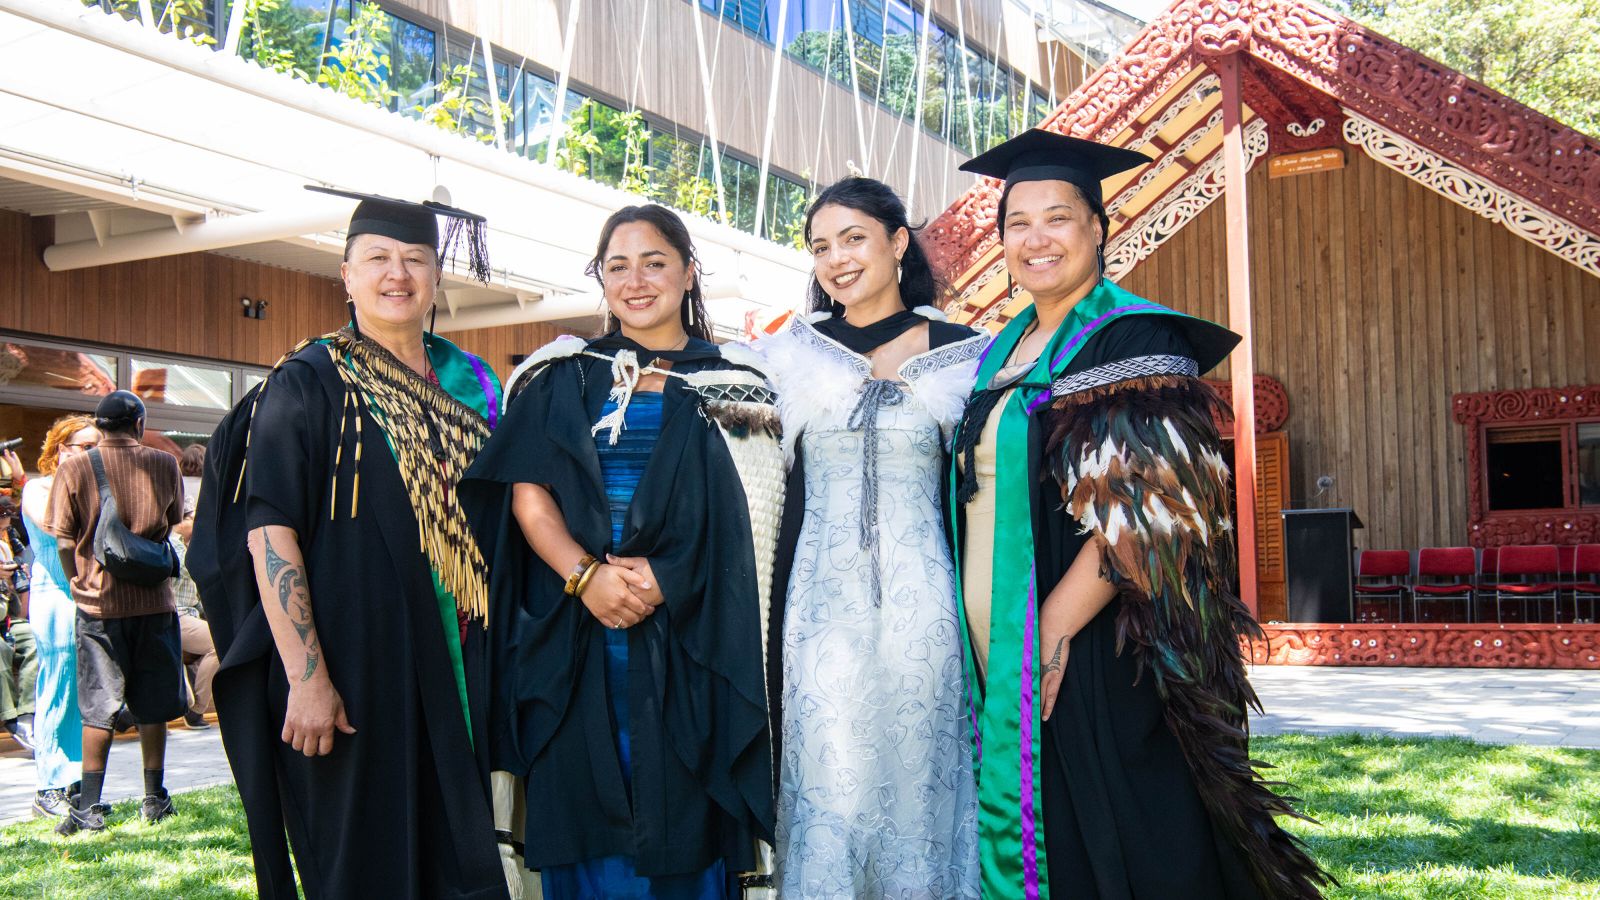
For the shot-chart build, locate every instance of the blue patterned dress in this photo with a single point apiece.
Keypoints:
(613, 877)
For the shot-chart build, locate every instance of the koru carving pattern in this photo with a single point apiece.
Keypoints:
(1534, 405)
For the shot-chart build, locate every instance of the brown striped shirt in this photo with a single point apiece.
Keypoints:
(149, 495)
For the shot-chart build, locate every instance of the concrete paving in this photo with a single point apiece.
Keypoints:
(194, 760)
(1550, 707)
(1554, 707)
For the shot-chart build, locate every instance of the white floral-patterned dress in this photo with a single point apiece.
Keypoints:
(876, 795)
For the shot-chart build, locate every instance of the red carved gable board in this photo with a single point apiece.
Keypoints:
(1304, 65)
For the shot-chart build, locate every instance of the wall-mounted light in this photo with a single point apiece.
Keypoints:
(253, 309)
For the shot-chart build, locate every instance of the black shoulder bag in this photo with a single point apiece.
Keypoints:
(127, 556)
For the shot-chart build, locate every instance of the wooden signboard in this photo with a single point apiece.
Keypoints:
(1308, 161)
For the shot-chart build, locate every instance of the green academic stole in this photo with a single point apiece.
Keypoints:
(1008, 727)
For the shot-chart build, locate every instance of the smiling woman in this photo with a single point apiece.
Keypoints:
(629, 508)
(354, 680)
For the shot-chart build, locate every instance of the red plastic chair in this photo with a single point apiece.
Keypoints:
(1450, 574)
(1390, 573)
(1583, 561)
(1537, 570)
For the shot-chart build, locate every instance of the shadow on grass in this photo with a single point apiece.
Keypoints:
(1389, 805)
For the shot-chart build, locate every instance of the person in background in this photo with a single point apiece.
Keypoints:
(128, 639)
(57, 728)
(19, 662)
(191, 464)
(199, 653)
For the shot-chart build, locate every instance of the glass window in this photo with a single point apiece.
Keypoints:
(32, 365)
(1589, 464)
(1524, 467)
(175, 384)
(540, 102)
(751, 15)
(411, 58)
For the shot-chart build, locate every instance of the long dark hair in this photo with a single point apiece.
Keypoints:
(677, 234)
(918, 286)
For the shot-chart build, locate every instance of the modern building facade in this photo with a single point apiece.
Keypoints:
(155, 235)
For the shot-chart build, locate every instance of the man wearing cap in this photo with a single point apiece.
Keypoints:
(128, 641)
(345, 594)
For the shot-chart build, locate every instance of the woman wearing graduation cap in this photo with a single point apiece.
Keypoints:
(345, 594)
(629, 505)
(876, 795)
(1094, 535)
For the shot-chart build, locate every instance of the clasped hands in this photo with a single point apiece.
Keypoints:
(623, 592)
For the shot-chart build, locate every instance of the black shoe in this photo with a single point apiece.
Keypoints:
(156, 807)
(91, 819)
(195, 720)
(51, 802)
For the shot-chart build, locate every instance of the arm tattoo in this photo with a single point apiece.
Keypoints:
(290, 580)
(313, 655)
(274, 562)
(1054, 665)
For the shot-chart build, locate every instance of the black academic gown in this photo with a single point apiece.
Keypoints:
(400, 809)
(1122, 817)
(702, 764)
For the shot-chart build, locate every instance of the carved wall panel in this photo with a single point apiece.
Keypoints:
(1452, 645)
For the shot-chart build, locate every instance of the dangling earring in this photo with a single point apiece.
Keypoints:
(1100, 256)
(350, 304)
(688, 300)
(605, 327)
(899, 273)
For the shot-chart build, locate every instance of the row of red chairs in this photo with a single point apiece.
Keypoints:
(1519, 573)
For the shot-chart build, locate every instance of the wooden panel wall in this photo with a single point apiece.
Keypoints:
(176, 304)
(1375, 301)
(189, 304)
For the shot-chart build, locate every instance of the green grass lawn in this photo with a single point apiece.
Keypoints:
(1399, 819)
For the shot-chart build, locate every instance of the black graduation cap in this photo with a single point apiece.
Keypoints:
(418, 223)
(1039, 155)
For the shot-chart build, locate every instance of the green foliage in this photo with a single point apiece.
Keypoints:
(356, 67)
(1545, 53)
(456, 108)
(187, 19)
(578, 143)
(270, 41)
(1425, 819)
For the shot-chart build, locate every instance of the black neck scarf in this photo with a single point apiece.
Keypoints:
(868, 338)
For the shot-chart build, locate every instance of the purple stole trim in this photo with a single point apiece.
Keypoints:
(490, 401)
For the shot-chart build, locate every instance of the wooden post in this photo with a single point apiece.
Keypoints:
(1242, 362)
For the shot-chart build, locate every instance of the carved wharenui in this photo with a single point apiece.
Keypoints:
(1312, 79)
(1525, 407)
